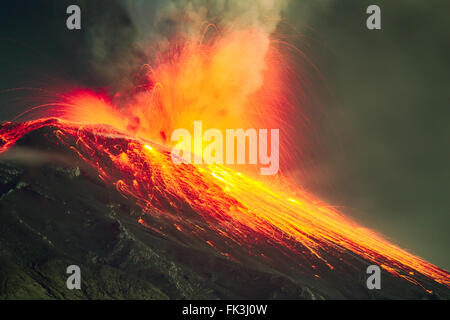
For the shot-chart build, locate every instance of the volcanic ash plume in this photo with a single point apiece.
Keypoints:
(161, 19)
(210, 58)
(216, 62)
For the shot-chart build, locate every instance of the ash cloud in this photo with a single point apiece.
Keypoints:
(125, 34)
(159, 18)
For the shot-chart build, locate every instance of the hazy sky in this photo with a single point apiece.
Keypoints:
(388, 132)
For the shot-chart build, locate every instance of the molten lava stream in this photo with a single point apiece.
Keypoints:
(226, 210)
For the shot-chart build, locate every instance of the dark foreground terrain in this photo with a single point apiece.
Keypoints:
(56, 212)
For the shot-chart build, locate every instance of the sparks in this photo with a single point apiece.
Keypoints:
(244, 214)
(228, 211)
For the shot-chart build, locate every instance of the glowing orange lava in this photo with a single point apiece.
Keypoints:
(247, 217)
(231, 82)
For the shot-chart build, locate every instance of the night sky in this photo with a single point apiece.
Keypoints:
(384, 130)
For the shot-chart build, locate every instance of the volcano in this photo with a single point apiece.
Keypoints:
(141, 227)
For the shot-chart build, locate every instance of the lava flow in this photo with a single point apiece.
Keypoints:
(232, 82)
(246, 217)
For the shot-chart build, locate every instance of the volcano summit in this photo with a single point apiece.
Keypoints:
(141, 227)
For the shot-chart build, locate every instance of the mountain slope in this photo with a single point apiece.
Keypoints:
(57, 209)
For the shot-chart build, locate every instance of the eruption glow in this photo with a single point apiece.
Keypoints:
(229, 82)
(225, 209)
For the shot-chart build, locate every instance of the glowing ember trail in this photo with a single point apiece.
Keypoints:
(247, 217)
(231, 82)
